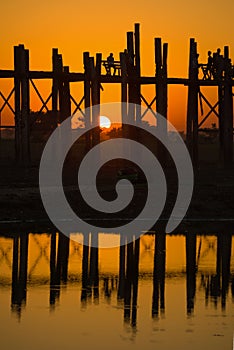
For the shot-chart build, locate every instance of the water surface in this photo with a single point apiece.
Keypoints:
(162, 292)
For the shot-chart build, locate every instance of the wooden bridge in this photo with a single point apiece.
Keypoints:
(131, 80)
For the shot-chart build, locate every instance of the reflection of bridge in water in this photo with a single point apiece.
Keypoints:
(57, 250)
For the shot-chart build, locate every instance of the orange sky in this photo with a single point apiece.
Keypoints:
(93, 26)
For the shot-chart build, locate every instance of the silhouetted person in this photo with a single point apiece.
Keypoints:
(210, 65)
(111, 62)
(130, 59)
(218, 64)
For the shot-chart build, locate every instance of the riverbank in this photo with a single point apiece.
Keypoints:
(211, 208)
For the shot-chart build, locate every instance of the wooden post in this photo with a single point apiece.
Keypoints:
(138, 73)
(192, 108)
(66, 105)
(161, 90)
(124, 93)
(25, 105)
(55, 81)
(159, 76)
(60, 88)
(130, 47)
(227, 111)
(22, 110)
(164, 82)
(18, 136)
(131, 72)
(129, 131)
(87, 78)
(55, 84)
(221, 118)
(131, 76)
(95, 94)
(87, 85)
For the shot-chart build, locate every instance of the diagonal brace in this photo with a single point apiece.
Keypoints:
(39, 95)
(149, 106)
(6, 101)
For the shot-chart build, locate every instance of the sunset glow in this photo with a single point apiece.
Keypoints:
(100, 30)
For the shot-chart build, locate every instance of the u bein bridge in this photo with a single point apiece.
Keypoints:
(59, 250)
(129, 77)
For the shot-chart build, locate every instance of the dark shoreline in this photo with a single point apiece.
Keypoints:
(211, 208)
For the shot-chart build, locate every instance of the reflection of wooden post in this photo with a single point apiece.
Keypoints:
(128, 283)
(65, 247)
(225, 265)
(85, 268)
(135, 281)
(122, 261)
(15, 269)
(131, 282)
(190, 270)
(58, 264)
(62, 257)
(53, 291)
(218, 255)
(214, 283)
(23, 270)
(19, 272)
(93, 272)
(159, 274)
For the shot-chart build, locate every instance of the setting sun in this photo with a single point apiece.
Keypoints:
(105, 122)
